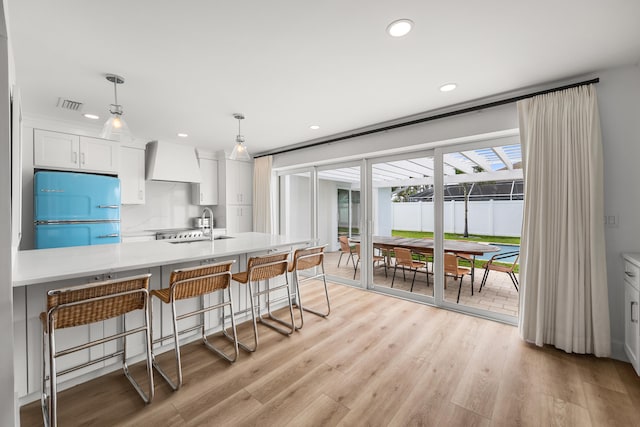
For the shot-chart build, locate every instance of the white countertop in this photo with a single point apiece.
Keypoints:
(46, 265)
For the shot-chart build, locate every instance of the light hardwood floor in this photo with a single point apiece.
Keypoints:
(375, 361)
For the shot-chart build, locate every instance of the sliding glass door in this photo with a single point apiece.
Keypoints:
(297, 208)
(481, 211)
(340, 220)
(403, 225)
(438, 226)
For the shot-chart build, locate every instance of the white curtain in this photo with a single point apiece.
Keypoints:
(563, 298)
(263, 196)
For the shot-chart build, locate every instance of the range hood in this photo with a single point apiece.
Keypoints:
(167, 161)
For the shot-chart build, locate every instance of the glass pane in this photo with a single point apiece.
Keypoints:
(483, 195)
(295, 204)
(341, 214)
(403, 225)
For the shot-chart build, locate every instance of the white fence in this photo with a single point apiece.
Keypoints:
(490, 218)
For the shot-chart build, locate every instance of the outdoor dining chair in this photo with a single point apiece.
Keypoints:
(346, 248)
(451, 268)
(376, 259)
(404, 258)
(509, 269)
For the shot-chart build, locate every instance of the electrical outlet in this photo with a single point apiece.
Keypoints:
(611, 220)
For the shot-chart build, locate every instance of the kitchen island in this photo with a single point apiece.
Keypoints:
(37, 271)
(48, 265)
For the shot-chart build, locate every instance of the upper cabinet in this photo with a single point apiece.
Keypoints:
(65, 151)
(239, 183)
(236, 194)
(132, 182)
(206, 192)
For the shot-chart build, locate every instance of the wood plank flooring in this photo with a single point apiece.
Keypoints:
(376, 361)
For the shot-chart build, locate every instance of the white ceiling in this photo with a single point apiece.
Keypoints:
(286, 65)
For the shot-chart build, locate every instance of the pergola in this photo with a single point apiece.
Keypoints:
(501, 163)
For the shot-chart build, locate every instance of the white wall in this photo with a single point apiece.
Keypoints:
(406, 138)
(328, 214)
(619, 104)
(295, 199)
(8, 401)
(168, 205)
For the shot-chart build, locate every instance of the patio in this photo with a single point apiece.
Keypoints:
(498, 294)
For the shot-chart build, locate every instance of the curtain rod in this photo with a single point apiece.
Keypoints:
(435, 117)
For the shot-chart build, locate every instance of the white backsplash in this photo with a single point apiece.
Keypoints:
(168, 205)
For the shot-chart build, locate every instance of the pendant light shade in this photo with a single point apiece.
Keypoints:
(115, 127)
(240, 151)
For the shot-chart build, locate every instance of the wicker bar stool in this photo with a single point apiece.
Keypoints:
(82, 305)
(261, 269)
(192, 283)
(305, 259)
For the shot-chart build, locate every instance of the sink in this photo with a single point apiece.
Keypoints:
(206, 239)
(222, 237)
(179, 242)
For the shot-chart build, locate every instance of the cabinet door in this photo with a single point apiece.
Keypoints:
(239, 185)
(55, 149)
(132, 182)
(631, 325)
(206, 192)
(99, 155)
(245, 183)
(239, 219)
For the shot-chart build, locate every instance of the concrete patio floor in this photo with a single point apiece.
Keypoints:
(498, 294)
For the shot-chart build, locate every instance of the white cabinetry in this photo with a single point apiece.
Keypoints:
(132, 182)
(236, 178)
(239, 183)
(631, 309)
(206, 192)
(57, 150)
(239, 218)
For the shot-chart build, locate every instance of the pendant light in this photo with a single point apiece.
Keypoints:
(115, 127)
(240, 151)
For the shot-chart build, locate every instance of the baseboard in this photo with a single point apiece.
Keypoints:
(617, 351)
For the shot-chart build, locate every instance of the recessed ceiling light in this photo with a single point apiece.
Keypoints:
(91, 116)
(183, 135)
(448, 87)
(314, 127)
(400, 27)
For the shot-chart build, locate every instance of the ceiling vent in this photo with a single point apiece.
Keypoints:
(67, 104)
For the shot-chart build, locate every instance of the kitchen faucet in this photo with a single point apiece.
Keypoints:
(202, 222)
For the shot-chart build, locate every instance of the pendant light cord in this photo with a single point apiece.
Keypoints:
(115, 90)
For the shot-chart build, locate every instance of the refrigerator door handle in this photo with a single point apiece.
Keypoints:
(104, 236)
(109, 206)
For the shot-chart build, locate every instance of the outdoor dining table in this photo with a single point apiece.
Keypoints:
(425, 246)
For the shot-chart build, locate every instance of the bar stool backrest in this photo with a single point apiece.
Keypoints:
(267, 266)
(84, 304)
(204, 279)
(304, 259)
